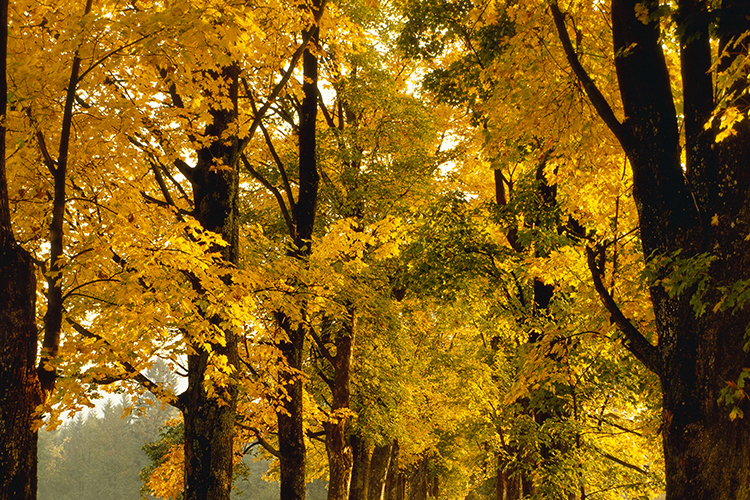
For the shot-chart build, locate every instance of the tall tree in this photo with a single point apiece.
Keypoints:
(691, 194)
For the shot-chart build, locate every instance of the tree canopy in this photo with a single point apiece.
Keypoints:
(420, 248)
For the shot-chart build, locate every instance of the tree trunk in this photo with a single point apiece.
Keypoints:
(706, 454)
(339, 452)
(290, 419)
(508, 485)
(209, 436)
(360, 481)
(395, 483)
(291, 430)
(209, 417)
(380, 465)
(418, 481)
(19, 385)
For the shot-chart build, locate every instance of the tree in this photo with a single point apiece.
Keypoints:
(686, 214)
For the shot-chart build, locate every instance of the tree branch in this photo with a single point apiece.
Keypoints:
(144, 381)
(322, 348)
(324, 109)
(592, 91)
(642, 349)
(307, 36)
(622, 462)
(265, 444)
(257, 175)
(282, 170)
(162, 185)
(279, 164)
(617, 426)
(113, 52)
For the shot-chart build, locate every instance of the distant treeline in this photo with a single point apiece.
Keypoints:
(97, 457)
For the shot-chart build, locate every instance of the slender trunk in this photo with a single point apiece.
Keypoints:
(54, 315)
(290, 420)
(395, 483)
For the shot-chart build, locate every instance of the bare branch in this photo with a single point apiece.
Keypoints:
(623, 463)
(113, 52)
(324, 109)
(265, 444)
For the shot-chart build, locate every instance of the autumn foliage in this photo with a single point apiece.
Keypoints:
(427, 248)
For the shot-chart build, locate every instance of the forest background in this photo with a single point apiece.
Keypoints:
(419, 249)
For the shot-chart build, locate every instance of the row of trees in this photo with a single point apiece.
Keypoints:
(506, 278)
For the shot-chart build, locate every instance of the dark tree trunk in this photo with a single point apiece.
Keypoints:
(513, 481)
(19, 385)
(339, 452)
(706, 455)
(209, 417)
(360, 481)
(290, 421)
(291, 431)
(508, 484)
(418, 486)
(705, 209)
(380, 465)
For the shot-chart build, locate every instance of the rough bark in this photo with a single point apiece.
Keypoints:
(291, 431)
(337, 446)
(209, 418)
(360, 480)
(704, 210)
(19, 385)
